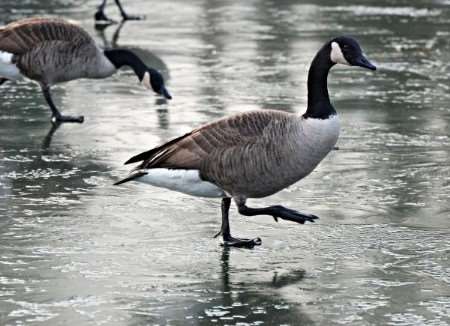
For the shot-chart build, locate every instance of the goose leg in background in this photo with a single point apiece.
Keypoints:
(57, 117)
(115, 37)
(276, 212)
(228, 240)
(125, 16)
(3, 80)
(100, 17)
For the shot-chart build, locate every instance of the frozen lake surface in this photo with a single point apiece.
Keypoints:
(75, 250)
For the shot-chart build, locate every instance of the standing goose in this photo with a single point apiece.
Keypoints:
(51, 51)
(254, 154)
(100, 16)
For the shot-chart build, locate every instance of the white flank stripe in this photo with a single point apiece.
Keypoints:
(7, 69)
(185, 181)
(5, 57)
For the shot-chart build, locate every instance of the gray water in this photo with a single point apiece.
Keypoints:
(74, 250)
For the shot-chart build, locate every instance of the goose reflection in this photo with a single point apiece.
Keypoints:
(233, 297)
(257, 301)
(102, 19)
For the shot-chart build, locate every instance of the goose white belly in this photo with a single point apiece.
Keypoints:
(8, 69)
(185, 181)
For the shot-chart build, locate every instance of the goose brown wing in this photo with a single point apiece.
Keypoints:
(21, 36)
(192, 149)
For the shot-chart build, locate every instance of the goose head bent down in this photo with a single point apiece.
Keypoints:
(149, 77)
(51, 51)
(254, 154)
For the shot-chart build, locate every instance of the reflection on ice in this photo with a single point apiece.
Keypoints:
(75, 248)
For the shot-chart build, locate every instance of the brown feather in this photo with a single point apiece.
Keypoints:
(191, 150)
(249, 155)
(24, 35)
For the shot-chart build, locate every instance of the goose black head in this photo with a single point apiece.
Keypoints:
(345, 50)
(152, 79)
(149, 77)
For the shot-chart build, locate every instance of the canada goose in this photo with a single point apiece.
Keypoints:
(51, 51)
(100, 16)
(254, 154)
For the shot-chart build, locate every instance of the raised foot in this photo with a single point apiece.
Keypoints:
(67, 118)
(292, 215)
(241, 243)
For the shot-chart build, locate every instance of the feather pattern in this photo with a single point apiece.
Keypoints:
(21, 36)
(52, 50)
(253, 154)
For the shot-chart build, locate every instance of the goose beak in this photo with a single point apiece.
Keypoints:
(165, 93)
(361, 61)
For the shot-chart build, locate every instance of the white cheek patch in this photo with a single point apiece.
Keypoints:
(146, 81)
(336, 54)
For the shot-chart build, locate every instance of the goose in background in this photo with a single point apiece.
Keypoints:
(101, 18)
(145, 54)
(51, 51)
(254, 154)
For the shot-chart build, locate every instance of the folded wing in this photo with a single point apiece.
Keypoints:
(191, 150)
(20, 37)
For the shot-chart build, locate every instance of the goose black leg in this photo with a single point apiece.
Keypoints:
(228, 240)
(3, 80)
(57, 117)
(125, 16)
(277, 212)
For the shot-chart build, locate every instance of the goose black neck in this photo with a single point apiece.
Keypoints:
(121, 57)
(319, 105)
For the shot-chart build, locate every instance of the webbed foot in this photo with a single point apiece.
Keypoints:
(241, 243)
(132, 17)
(291, 215)
(67, 118)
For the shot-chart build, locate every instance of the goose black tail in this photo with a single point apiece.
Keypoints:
(132, 176)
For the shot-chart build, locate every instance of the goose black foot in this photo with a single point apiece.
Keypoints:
(276, 212)
(67, 118)
(132, 17)
(292, 215)
(57, 117)
(229, 241)
(3, 80)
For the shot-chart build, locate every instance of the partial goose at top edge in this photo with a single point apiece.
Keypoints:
(102, 19)
(52, 50)
(254, 154)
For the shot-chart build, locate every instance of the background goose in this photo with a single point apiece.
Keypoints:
(254, 154)
(100, 16)
(51, 51)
